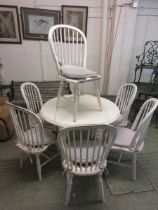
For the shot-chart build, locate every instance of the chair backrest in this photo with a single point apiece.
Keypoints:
(68, 45)
(84, 149)
(142, 121)
(125, 97)
(28, 128)
(32, 97)
(150, 53)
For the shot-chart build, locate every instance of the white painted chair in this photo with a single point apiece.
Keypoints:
(69, 49)
(31, 137)
(124, 100)
(32, 97)
(84, 151)
(34, 103)
(131, 140)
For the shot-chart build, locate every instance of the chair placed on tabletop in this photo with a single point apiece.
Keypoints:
(84, 154)
(31, 137)
(125, 97)
(69, 48)
(131, 140)
(34, 103)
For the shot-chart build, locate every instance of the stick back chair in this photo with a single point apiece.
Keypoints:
(69, 48)
(124, 100)
(84, 154)
(31, 137)
(32, 97)
(34, 102)
(132, 140)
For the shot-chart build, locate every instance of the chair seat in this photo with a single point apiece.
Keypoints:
(124, 139)
(77, 72)
(49, 137)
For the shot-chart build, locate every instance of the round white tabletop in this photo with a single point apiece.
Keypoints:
(88, 112)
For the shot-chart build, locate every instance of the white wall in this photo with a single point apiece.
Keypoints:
(146, 29)
(125, 19)
(32, 60)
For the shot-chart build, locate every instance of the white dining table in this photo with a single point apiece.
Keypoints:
(88, 112)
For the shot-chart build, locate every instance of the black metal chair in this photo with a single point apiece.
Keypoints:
(147, 60)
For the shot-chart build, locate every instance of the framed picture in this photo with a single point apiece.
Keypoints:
(37, 22)
(9, 24)
(75, 16)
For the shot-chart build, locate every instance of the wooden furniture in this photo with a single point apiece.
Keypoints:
(48, 90)
(69, 49)
(32, 97)
(124, 100)
(34, 102)
(31, 137)
(6, 124)
(131, 140)
(88, 113)
(83, 154)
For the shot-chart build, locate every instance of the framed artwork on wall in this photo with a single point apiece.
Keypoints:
(75, 16)
(9, 24)
(37, 22)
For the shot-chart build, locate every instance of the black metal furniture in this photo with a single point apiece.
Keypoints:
(147, 60)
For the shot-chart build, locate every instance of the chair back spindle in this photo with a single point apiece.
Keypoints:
(125, 98)
(83, 154)
(32, 97)
(142, 121)
(68, 45)
(29, 133)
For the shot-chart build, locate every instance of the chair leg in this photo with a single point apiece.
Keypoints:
(69, 186)
(101, 187)
(96, 83)
(134, 166)
(59, 92)
(76, 99)
(38, 165)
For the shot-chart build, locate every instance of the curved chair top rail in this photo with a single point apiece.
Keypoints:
(146, 110)
(149, 55)
(53, 28)
(32, 96)
(125, 97)
(68, 45)
(142, 121)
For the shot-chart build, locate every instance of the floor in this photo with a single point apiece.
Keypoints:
(20, 189)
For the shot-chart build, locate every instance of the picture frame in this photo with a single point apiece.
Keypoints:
(9, 25)
(75, 16)
(37, 22)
